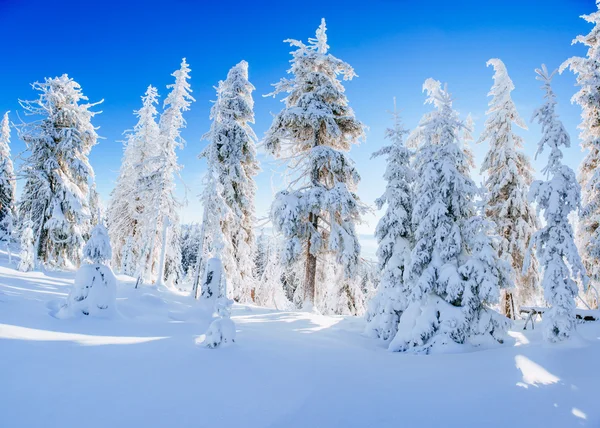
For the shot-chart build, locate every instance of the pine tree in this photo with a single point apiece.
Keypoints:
(7, 183)
(216, 211)
(269, 286)
(454, 271)
(57, 172)
(94, 291)
(318, 212)
(558, 196)
(130, 213)
(394, 236)
(467, 138)
(587, 70)
(232, 149)
(509, 174)
(161, 181)
(27, 255)
(261, 255)
(190, 242)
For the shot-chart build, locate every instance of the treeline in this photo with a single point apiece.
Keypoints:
(450, 253)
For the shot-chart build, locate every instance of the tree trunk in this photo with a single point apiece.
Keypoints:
(311, 267)
(508, 305)
(163, 252)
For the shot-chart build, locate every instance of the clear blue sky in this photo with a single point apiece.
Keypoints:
(116, 49)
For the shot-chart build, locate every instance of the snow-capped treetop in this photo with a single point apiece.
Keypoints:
(98, 249)
(320, 41)
(554, 133)
(502, 109)
(317, 111)
(177, 102)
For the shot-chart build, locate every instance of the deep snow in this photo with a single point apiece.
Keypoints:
(147, 368)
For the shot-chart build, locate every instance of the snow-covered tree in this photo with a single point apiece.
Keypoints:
(558, 196)
(57, 172)
(212, 242)
(508, 176)
(130, 214)
(319, 210)
(394, 236)
(339, 294)
(261, 253)
(160, 182)
(466, 139)
(232, 151)
(7, 183)
(269, 285)
(587, 70)
(98, 249)
(128, 260)
(454, 272)
(190, 242)
(27, 254)
(94, 290)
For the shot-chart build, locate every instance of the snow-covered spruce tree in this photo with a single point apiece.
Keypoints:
(269, 285)
(454, 271)
(7, 183)
(130, 216)
(394, 236)
(212, 242)
(466, 139)
(190, 242)
(57, 172)
(339, 294)
(509, 174)
(232, 149)
(558, 196)
(261, 254)
(27, 254)
(160, 183)
(319, 210)
(587, 70)
(95, 287)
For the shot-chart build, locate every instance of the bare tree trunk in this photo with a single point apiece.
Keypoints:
(508, 305)
(163, 252)
(311, 267)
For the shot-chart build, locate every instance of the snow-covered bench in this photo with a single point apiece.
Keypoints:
(532, 311)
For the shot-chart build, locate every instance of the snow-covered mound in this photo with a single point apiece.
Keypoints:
(220, 332)
(94, 293)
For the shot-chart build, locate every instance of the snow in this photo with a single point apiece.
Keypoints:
(148, 367)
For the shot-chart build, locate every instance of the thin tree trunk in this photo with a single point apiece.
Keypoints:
(508, 306)
(163, 252)
(311, 267)
(199, 257)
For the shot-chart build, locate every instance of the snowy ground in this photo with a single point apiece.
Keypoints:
(147, 369)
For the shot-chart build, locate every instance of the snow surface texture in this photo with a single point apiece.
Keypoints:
(148, 367)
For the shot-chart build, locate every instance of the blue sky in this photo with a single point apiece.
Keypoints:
(116, 49)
